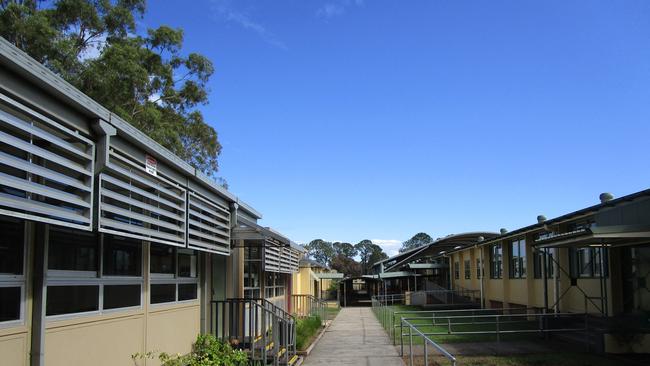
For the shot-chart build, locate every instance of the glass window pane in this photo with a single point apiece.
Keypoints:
(187, 291)
(11, 247)
(187, 263)
(122, 257)
(72, 250)
(163, 293)
(71, 299)
(162, 259)
(121, 296)
(9, 303)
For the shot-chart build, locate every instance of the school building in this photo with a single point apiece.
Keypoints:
(111, 245)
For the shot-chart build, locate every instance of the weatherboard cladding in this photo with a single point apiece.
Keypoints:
(46, 169)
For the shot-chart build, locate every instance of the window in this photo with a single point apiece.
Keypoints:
(478, 268)
(538, 260)
(122, 257)
(274, 285)
(468, 269)
(76, 284)
(496, 261)
(72, 299)
(72, 251)
(12, 278)
(586, 262)
(518, 258)
(456, 270)
(252, 271)
(174, 274)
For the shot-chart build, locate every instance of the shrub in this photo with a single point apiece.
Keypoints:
(305, 329)
(206, 351)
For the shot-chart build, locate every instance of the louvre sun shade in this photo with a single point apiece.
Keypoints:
(46, 169)
(279, 255)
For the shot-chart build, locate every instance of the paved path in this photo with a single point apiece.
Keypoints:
(354, 338)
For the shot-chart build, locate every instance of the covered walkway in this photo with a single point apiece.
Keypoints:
(354, 338)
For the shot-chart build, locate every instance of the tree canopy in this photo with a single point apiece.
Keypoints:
(321, 251)
(417, 240)
(342, 256)
(142, 76)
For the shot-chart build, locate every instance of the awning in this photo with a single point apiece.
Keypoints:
(330, 276)
(281, 255)
(427, 265)
(613, 235)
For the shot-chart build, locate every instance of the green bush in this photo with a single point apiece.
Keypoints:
(306, 328)
(206, 351)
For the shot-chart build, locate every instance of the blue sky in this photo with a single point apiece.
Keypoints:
(347, 120)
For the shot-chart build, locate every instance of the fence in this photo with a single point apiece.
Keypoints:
(308, 305)
(496, 324)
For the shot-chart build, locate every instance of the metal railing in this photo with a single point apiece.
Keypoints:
(304, 306)
(427, 341)
(498, 324)
(265, 331)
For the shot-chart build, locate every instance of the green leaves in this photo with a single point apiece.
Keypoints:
(145, 79)
(417, 240)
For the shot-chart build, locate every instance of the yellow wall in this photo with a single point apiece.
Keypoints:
(173, 328)
(14, 346)
(101, 341)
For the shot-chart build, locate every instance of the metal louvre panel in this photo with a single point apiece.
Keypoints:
(272, 258)
(208, 225)
(289, 260)
(46, 169)
(139, 205)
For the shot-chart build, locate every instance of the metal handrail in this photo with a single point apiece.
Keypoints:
(541, 320)
(246, 322)
(305, 305)
(427, 341)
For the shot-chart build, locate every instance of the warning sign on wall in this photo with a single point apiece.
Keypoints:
(151, 165)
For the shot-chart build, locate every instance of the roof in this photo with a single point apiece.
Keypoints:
(440, 245)
(567, 217)
(22, 64)
(304, 262)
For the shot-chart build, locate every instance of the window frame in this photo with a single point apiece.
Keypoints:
(260, 270)
(93, 278)
(496, 266)
(577, 270)
(17, 280)
(175, 279)
(517, 264)
(457, 270)
(538, 262)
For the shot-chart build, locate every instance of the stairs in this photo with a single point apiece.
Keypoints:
(264, 331)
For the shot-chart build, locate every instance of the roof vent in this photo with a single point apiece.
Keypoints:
(541, 218)
(503, 230)
(480, 239)
(605, 197)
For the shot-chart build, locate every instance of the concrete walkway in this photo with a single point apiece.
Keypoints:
(354, 338)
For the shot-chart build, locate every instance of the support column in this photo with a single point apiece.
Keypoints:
(39, 293)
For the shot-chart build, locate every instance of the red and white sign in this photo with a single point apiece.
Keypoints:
(151, 165)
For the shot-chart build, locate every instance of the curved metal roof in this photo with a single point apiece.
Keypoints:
(436, 248)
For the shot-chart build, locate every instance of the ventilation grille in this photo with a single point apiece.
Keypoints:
(139, 205)
(208, 225)
(46, 169)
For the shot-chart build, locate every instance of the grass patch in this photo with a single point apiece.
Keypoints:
(546, 359)
(306, 329)
(463, 323)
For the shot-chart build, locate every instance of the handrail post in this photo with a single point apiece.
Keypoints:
(448, 325)
(410, 345)
(587, 332)
(426, 354)
(497, 328)
(401, 337)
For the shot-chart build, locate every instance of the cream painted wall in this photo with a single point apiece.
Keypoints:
(14, 348)
(173, 328)
(99, 341)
